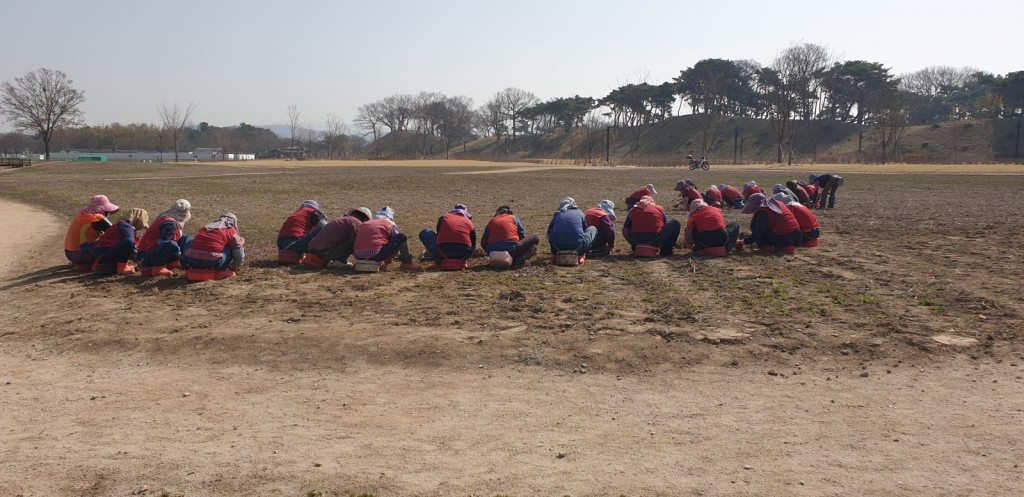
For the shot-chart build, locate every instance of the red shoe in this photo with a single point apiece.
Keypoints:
(174, 265)
(221, 275)
(160, 271)
(125, 269)
(583, 259)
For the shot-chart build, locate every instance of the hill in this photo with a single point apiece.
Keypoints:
(746, 140)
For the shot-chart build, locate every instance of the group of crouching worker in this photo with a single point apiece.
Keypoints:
(780, 223)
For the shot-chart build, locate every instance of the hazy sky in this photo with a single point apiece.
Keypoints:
(246, 61)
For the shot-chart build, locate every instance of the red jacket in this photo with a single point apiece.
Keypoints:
(215, 241)
(804, 217)
(715, 195)
(372, 235)
(123, 230)
(455, 228)
(299, 224)
(747, 192)
(781, 224)
(639, 194)
(152, 235)
(801, 193)
(731, 194)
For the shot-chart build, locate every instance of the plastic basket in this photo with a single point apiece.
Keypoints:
(499, 259)
(645, 250)
(288, 257)
(567, 258)
(367, 266)
(195, 274)
(314, 261)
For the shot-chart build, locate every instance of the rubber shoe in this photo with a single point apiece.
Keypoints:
(174, 265)
(221, 275)
(160, 271)
(125, 269)
(341, 265)
(410, 266)
(583, 259)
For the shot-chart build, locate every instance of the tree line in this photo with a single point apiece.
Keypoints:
(802, 87)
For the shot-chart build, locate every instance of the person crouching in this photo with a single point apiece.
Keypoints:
(117, 247)
(217, 246)
(773, 226)
(706, 232)
(336, 241)
(379, 240)
(505, 233)
(454, 240)
(646, 224)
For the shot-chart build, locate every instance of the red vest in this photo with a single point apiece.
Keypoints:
(747, 192)
(502, 228)
(213, 240)
(639, 194)
(650, 219)
(731, 194)
(373, 234)
(781, 224)
(112, 236)
(812, 190)
(715, 195)
(706, 219)
(455, 228)
(804, 217)
(801, 193)
(593, 216)
(297, 225)
(150, 237)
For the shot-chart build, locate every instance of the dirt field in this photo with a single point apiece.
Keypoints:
(889, 361)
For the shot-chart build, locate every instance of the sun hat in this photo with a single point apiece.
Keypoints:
(757, 201)
(462, 210)
(180, 211)
(644, 202)
(225, 220)
(566, 204)
(785, 199)
(750, 184)
(385, 213)
(697, 205)
(138, 218)
(609, 207)
(723, 186)
(650, 188)
(504, 209)
(309, 203)
(100, 204)
(364, 211)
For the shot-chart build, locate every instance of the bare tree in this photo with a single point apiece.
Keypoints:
(174, 119)
(513, 102)
(890, 122)
(41, 102)
(369, 119)
(456, 121)
(294, 121)
(335, 135)
(396, 112)
(491, 120)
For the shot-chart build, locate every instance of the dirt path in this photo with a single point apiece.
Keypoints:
(280, 384)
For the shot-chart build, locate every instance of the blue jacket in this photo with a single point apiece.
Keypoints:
(567, 227)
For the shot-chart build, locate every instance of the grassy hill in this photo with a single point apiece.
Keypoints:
(744, 139)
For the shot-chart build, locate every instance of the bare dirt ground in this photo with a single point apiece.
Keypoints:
(887, 362)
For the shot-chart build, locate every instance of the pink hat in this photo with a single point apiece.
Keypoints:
(100, 204)
(758, 200)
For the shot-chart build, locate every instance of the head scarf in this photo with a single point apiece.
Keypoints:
(681, 186)
(364, 211)
(758, 200)
(650, 188)
(609, 207)
(566, 204)
(309, 203)
(99, 204)
(180, 211)
(503, 210)
(778, 189)
(811, 177)
(750, 184)
(785, 199)
(713, 188)
(138, 218)
(697, 205)
(461, 209)
(644, 202)
(224, 221)
(385, 213)
(723, 186)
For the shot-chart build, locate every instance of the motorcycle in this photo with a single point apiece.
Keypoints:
(699, 164)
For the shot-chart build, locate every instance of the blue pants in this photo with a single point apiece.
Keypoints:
(122, 252)
(571, 241)
(221, 264)
(300, 245)
(165, 252)
(665, 239)
(444, 250)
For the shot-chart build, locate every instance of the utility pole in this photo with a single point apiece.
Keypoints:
(735, 144)
(741, 148)
(860, 142)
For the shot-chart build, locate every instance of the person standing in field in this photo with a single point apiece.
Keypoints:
(336, 240)
(646, 224)
(602, 218)
(454, 238)
(826, 185)
(568, 230)
(379, 240)
(117, 247)
(773, 226)
(217, 246)
(161, 245)
(706, 229)
(505, 233)
(300, 227)
(86, 230)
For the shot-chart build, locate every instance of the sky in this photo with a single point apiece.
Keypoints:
(247, 61)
